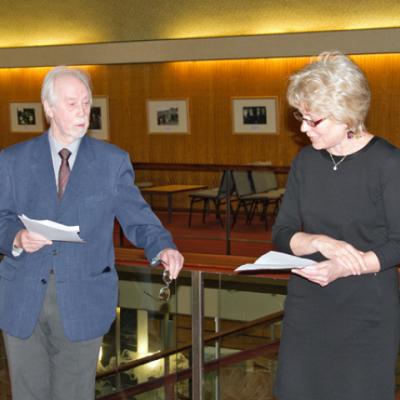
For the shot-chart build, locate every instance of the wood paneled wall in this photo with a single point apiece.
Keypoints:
(209, 86)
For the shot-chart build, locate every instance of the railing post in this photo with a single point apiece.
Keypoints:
(197, 335)
(228, 173)
(118, 346)
(217, 354)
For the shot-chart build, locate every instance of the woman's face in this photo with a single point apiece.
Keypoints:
(323, 132)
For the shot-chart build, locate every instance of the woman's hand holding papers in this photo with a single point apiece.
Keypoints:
(325, 272)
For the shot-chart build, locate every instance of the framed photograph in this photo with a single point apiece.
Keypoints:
(168, 116)
(98, 120)
(257, 115)
(26, 117)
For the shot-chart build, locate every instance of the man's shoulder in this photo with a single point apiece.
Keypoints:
(25, 147)
(107, 149)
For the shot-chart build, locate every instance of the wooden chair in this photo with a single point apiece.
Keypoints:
(216, 195)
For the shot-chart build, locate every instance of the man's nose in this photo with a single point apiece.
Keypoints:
(81, 109)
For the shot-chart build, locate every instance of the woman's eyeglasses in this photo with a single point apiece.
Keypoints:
(309, 122)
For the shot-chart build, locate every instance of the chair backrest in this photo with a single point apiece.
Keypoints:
(263, 181)
(223, 185)
(242, 183)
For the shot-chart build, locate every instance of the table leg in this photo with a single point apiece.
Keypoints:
(169, 208)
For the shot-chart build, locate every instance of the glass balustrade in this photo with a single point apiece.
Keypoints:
(240, 339)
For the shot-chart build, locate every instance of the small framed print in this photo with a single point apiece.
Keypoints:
(257, 115)
(98, 120)
(168, 116)
(26, 117)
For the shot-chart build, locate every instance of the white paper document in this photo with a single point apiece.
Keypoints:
(274, 260)
(52, 230)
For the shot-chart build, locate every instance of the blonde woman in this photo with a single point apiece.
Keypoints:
(341, 208)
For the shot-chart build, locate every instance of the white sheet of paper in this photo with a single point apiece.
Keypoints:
(275, 260)
(52, 230)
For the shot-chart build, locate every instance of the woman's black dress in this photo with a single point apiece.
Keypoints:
(340, 342)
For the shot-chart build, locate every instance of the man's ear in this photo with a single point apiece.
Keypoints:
(47, 109)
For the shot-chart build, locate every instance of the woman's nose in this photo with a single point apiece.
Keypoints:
(304, 127)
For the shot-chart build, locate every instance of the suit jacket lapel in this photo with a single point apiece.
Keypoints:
(81, 178)
(43, 171)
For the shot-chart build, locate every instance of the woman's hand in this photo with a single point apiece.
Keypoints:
(342, 252)
(325, 272)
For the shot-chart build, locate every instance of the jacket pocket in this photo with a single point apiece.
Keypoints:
(7, 270)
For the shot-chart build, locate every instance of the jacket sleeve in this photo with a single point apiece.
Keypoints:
(140, 225)
(10, 224)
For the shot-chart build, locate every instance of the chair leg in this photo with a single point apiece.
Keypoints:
(205, 209)
(190, 213)
(253, 209)
(235, 213)
(247, 211)
(278, 204)
(217, 204)
(264, 213)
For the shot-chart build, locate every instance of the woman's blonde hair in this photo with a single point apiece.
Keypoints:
(333, 87)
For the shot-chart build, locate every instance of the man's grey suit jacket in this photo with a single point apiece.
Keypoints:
(100, 189)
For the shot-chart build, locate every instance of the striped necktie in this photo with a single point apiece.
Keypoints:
(63, 173)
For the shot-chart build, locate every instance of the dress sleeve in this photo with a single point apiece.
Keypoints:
(288, 221)
(389, 253)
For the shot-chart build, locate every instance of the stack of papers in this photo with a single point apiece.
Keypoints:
(52, 230)
(274, 260)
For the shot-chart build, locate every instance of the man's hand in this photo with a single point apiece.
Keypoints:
(172, 261)
(29, 241)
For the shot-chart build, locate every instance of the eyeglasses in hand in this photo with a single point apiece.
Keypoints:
(165, 292)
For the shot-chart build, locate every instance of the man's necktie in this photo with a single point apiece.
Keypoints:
(63, 173)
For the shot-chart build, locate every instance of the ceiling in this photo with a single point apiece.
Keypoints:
(44, 22)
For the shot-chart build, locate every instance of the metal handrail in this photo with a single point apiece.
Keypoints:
(270, 319)
(209, 167)
(170, 379)
(213, 365)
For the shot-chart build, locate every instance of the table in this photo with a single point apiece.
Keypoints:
(169, 191)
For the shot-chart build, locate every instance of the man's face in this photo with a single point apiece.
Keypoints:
(69, 115)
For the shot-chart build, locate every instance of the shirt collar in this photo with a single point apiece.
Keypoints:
(56, 146)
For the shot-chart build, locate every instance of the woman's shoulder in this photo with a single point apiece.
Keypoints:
(382, 149)
(307, 154)
(384, 155)
(382, 145)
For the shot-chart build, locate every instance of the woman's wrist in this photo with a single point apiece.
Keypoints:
(316, 242)
(305, 243)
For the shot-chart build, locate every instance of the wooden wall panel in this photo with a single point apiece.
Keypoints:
(209, 87)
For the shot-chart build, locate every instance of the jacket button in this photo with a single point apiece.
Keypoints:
(43, 281)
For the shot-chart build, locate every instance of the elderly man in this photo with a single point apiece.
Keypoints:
(57, 299)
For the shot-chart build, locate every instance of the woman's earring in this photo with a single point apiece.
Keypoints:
(350, 134)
